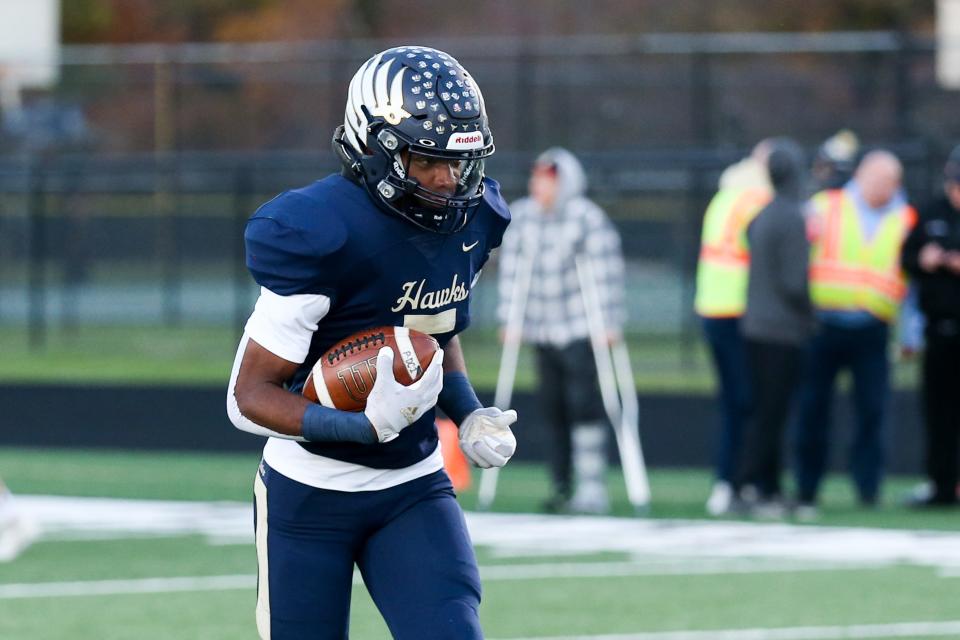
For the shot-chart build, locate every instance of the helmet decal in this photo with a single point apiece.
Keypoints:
(369, 88)
(389, 105)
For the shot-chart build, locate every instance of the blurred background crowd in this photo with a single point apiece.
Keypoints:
(154, 129)
(137, 137)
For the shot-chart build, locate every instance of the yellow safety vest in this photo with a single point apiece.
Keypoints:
(849, 273)
(724, 264)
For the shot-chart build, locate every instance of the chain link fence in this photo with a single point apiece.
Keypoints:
(124, 190)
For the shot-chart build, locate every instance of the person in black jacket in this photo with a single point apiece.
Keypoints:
(931, 255)
(776, 325)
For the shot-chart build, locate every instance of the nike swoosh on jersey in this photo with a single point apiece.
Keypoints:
(467, 247)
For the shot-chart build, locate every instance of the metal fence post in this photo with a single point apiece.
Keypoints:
(689, 251)
(72, 252)
(164, 126)
(242, 192)
(36, 261)
(903, 59)
(701, 99)
(525, 120)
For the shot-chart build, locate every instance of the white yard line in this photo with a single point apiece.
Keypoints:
(233, 582)
(948, 572)
(850, 632)
(675, 567)
(122, 587)
(494, 573)
(649, 547)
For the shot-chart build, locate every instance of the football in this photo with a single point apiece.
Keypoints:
(343, 376)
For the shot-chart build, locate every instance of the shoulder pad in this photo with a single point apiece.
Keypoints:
(290, 241)
(493, 198)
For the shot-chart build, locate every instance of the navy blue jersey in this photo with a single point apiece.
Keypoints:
(329, 238)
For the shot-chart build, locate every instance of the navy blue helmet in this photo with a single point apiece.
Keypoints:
(422, 101)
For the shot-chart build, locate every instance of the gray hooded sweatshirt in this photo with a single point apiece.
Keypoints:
(778, 300)
(574, 226)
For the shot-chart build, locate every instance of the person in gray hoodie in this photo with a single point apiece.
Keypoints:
(776, 324)
(550, 229)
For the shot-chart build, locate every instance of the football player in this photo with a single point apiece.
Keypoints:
(397, 238)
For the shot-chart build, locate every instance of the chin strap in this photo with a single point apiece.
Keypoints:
(346, 154)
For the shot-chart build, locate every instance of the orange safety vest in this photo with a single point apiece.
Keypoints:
(724, 263)
(850, 273)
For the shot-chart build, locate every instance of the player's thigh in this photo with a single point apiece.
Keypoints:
(305, 544)
(421, 571)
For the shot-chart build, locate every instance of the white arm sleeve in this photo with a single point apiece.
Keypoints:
(284, 326)
(233, 409)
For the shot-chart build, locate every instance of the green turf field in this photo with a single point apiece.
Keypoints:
(204, 355)
(653, 579)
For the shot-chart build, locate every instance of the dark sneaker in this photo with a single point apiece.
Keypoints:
(556, 504)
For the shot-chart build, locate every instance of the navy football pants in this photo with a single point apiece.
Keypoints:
(410, 543)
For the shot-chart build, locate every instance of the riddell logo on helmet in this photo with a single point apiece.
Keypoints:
(472, 140)
(468, 138)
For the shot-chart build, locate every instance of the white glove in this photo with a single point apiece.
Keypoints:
(486, 438)
(392, 407)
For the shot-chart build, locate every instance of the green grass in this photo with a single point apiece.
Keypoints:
(188, 616)
(129, 474)
(120, 355)
(204, 355)
(533, 608)
(677, 493)
(511, 609)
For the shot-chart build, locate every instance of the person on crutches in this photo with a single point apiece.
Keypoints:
(542, 302)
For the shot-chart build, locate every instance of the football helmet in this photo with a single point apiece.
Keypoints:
(416, 100)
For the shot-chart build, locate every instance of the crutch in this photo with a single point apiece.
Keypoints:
(508, 362)
(617, 390)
